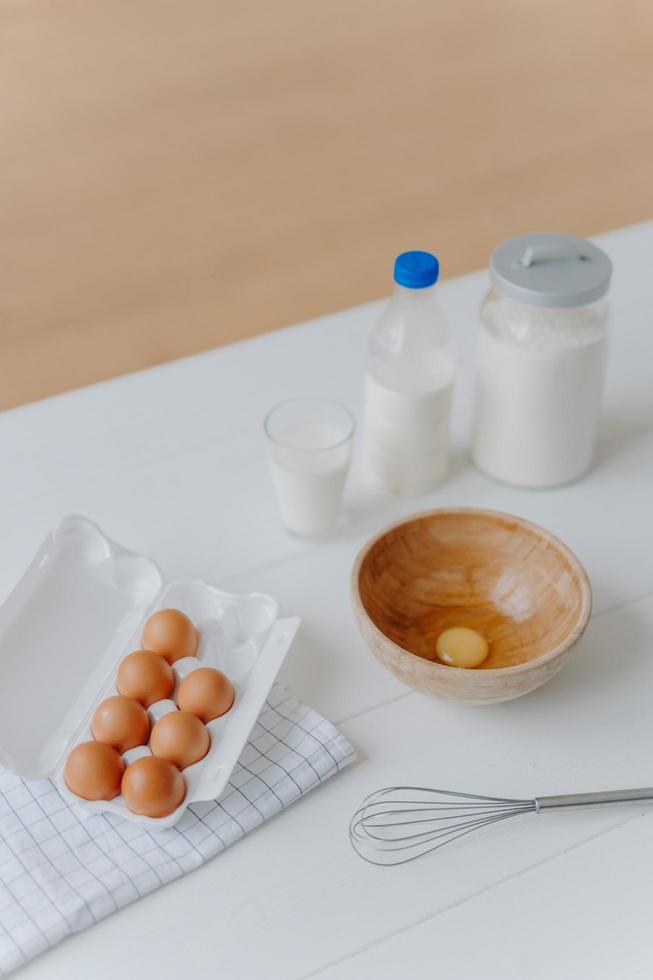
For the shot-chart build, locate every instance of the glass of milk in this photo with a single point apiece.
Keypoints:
(309, 449)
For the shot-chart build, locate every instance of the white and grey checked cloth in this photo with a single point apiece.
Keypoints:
(62, 867)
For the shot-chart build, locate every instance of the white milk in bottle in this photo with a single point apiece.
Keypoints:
(409, 383)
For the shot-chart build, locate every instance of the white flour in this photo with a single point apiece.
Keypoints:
(539, 388)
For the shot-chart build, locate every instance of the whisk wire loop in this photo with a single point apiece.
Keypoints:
(397, 824)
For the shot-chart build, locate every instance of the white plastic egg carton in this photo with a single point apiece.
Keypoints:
(76, 612)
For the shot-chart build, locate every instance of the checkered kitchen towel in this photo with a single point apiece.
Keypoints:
(62, 868)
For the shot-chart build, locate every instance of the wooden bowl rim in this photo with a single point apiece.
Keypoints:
(576, 567)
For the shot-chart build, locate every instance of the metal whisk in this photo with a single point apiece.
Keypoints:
(400, 823)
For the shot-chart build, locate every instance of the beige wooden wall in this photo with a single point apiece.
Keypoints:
(177, 174)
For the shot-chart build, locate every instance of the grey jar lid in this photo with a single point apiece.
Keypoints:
(544, 269)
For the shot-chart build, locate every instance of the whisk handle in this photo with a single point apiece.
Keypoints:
(593, 799)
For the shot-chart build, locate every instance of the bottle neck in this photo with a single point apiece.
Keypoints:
(406, 295)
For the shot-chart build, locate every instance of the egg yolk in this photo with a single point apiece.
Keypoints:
(461, 646)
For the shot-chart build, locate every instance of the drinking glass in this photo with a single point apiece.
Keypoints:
(309, 449)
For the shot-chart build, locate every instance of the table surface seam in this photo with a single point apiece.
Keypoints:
(522, 872)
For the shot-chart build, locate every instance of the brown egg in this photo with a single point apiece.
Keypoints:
(170, 633)
(153, 787)
(145, 676)
(181, 738)
(94, 771)
(120, 722)
(207, 693)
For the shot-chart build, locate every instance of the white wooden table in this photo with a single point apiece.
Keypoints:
(170, 462)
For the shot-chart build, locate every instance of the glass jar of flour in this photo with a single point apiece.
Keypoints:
(541, 360)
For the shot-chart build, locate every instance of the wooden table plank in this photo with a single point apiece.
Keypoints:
(592, 926)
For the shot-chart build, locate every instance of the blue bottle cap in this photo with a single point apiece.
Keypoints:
(416, 270)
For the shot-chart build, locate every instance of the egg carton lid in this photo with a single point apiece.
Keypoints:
(76, 611)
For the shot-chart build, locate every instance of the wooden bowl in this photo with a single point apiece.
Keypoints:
(515, 583)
